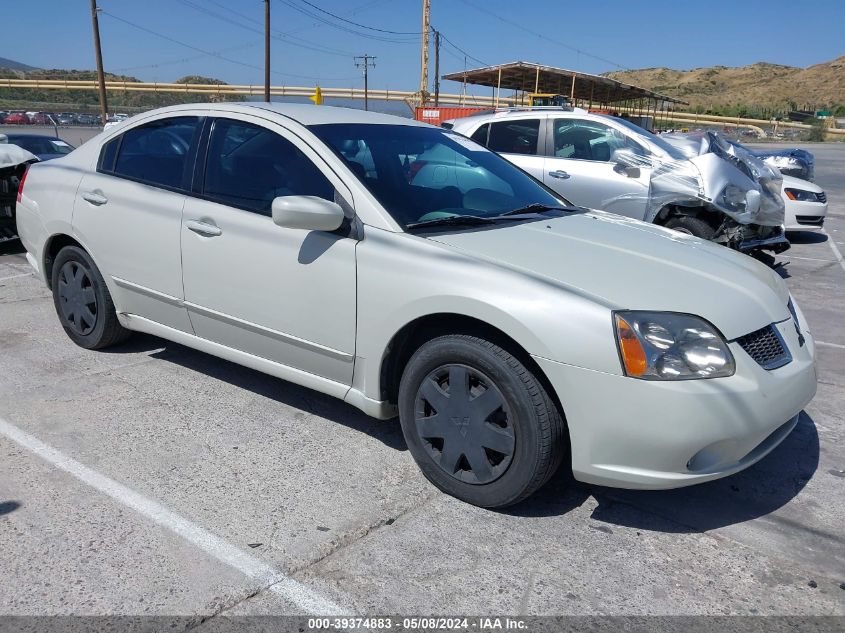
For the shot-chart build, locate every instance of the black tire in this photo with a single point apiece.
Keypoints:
(692, 225)
(83, 302)
(526, 429)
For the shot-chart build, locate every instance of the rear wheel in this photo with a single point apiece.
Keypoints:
(691, 225)
(479, 424)
(83, 302)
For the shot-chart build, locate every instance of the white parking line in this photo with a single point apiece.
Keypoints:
(836, 345)
(250, 566)
(15, 276)
(836, 252)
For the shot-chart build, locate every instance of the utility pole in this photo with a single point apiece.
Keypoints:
(267, 51)
(426, 27)
(366, 64)
(436, 67)
(101, 78)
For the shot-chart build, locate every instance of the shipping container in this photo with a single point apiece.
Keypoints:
(435, 115)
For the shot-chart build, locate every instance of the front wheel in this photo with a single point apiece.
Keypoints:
(691, 225)
(479, 424)
(83, 302)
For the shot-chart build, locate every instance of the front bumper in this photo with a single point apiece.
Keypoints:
(805, 216)
(638, 434)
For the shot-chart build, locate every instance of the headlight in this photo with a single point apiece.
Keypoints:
(738, 200)
(802, 196)
(671, 346)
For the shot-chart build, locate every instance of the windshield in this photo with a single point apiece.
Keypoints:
(421, 174)
(644, 134)
(41, 145)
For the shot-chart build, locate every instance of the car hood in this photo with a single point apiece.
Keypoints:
(626, 264)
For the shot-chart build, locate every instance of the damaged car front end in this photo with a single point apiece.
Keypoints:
(14, 162)
(731, 181)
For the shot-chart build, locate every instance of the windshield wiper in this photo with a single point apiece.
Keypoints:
(536, 207)
(452, 220)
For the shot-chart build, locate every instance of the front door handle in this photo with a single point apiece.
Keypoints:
(94, 197)
(559, 174)
(203, 228)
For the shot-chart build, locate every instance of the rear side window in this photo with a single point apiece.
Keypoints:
(514, 137)
(247, 166)
(156, 153)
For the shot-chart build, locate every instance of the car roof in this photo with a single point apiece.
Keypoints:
(526, 113)
(306, 114)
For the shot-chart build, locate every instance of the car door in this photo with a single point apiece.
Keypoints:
(579, 166)
(129, 214)
(518, 139)
(285, 295)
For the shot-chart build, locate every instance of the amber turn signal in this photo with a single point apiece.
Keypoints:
(633, 354)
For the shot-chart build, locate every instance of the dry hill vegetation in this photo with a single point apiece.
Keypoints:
(25, 98)
(759, 89)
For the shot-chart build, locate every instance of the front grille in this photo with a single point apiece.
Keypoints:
(810, 220)
(822, 196)
(766, 347)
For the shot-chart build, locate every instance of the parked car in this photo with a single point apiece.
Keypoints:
(16, 118)
(40, 118)
(604, 162)
(14, 161)
(66, 118)
(87, 119)
(797, 163)
(502, 324)
(806, 205)
(45, 147)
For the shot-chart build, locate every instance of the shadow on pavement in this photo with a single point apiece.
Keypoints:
(386, 431)
(12, 247)
(7, 507)
(757, 491)
(806, 237)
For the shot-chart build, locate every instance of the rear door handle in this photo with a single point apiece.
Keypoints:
(559, 174)
(94, 197)
(203, 228)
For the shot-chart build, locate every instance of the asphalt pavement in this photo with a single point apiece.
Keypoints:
(154, 479)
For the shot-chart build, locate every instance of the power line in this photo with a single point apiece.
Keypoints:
(363, 26)
(487, 11)
(462, 51)
(209, 53)
(310, 14)
(186, 59)
(295, 41)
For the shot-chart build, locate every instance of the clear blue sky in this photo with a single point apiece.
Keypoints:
(606, 34)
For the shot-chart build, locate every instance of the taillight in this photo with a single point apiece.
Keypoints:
(20, 184)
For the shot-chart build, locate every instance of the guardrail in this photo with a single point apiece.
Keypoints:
(406, 96)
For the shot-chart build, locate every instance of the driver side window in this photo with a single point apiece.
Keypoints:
(589, 140)
(247, 166)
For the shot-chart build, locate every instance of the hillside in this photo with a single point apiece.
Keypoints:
(21, 98)
(760, 87)
(13, 65)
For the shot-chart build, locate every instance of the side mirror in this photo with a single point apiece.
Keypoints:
(627, 162)
(307, 212)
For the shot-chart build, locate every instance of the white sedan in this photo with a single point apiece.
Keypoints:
(806, 205)
(510, 331)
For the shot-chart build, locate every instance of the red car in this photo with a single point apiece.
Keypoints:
(18, 118)
(40, 118)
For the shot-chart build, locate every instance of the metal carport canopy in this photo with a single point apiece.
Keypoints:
(529, 77)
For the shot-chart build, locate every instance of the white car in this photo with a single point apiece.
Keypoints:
(806, 205)
(502, 326)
